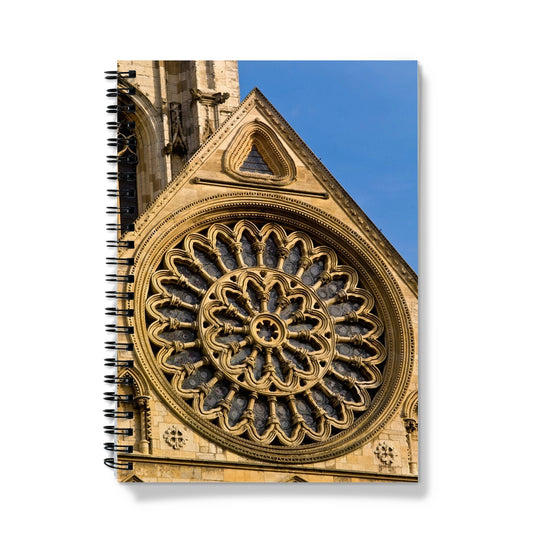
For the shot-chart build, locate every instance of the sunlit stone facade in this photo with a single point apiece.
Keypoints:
(275, 329)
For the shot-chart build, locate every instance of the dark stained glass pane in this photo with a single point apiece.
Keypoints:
(261, 415)
(255, 163)
(248, 253)
(270, 256)
(185, 356)
(291, 263)
(238, 405)
(284, 416)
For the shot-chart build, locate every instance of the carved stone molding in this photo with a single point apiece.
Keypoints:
(410, 407)
(142, 406)
(386, 453)
(142, 410)
(178, 144)
(410, 425)
(410, 420)
(259, 135)
(174, 437)
(208, 98)
(138, 383)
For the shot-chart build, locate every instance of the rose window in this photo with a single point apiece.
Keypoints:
(264, 335)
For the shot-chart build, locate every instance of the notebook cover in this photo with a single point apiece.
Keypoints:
(266, 328)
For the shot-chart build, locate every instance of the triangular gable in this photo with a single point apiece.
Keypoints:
(217, 167)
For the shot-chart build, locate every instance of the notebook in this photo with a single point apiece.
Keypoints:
(262, 327)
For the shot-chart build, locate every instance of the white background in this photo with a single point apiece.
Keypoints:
(475, 235)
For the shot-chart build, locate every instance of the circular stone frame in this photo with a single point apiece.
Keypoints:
(374, 274)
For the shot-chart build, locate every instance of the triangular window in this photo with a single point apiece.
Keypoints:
(255, 163)
(256, 155)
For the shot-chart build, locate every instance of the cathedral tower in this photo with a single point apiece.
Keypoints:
(179, 105)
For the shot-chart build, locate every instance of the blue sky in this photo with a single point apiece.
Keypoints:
(360, 119)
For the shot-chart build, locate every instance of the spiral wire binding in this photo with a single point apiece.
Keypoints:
(125, 210)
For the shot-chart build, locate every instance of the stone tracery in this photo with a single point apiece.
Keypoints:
(264, 334)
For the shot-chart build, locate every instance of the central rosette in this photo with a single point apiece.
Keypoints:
(266, 331)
